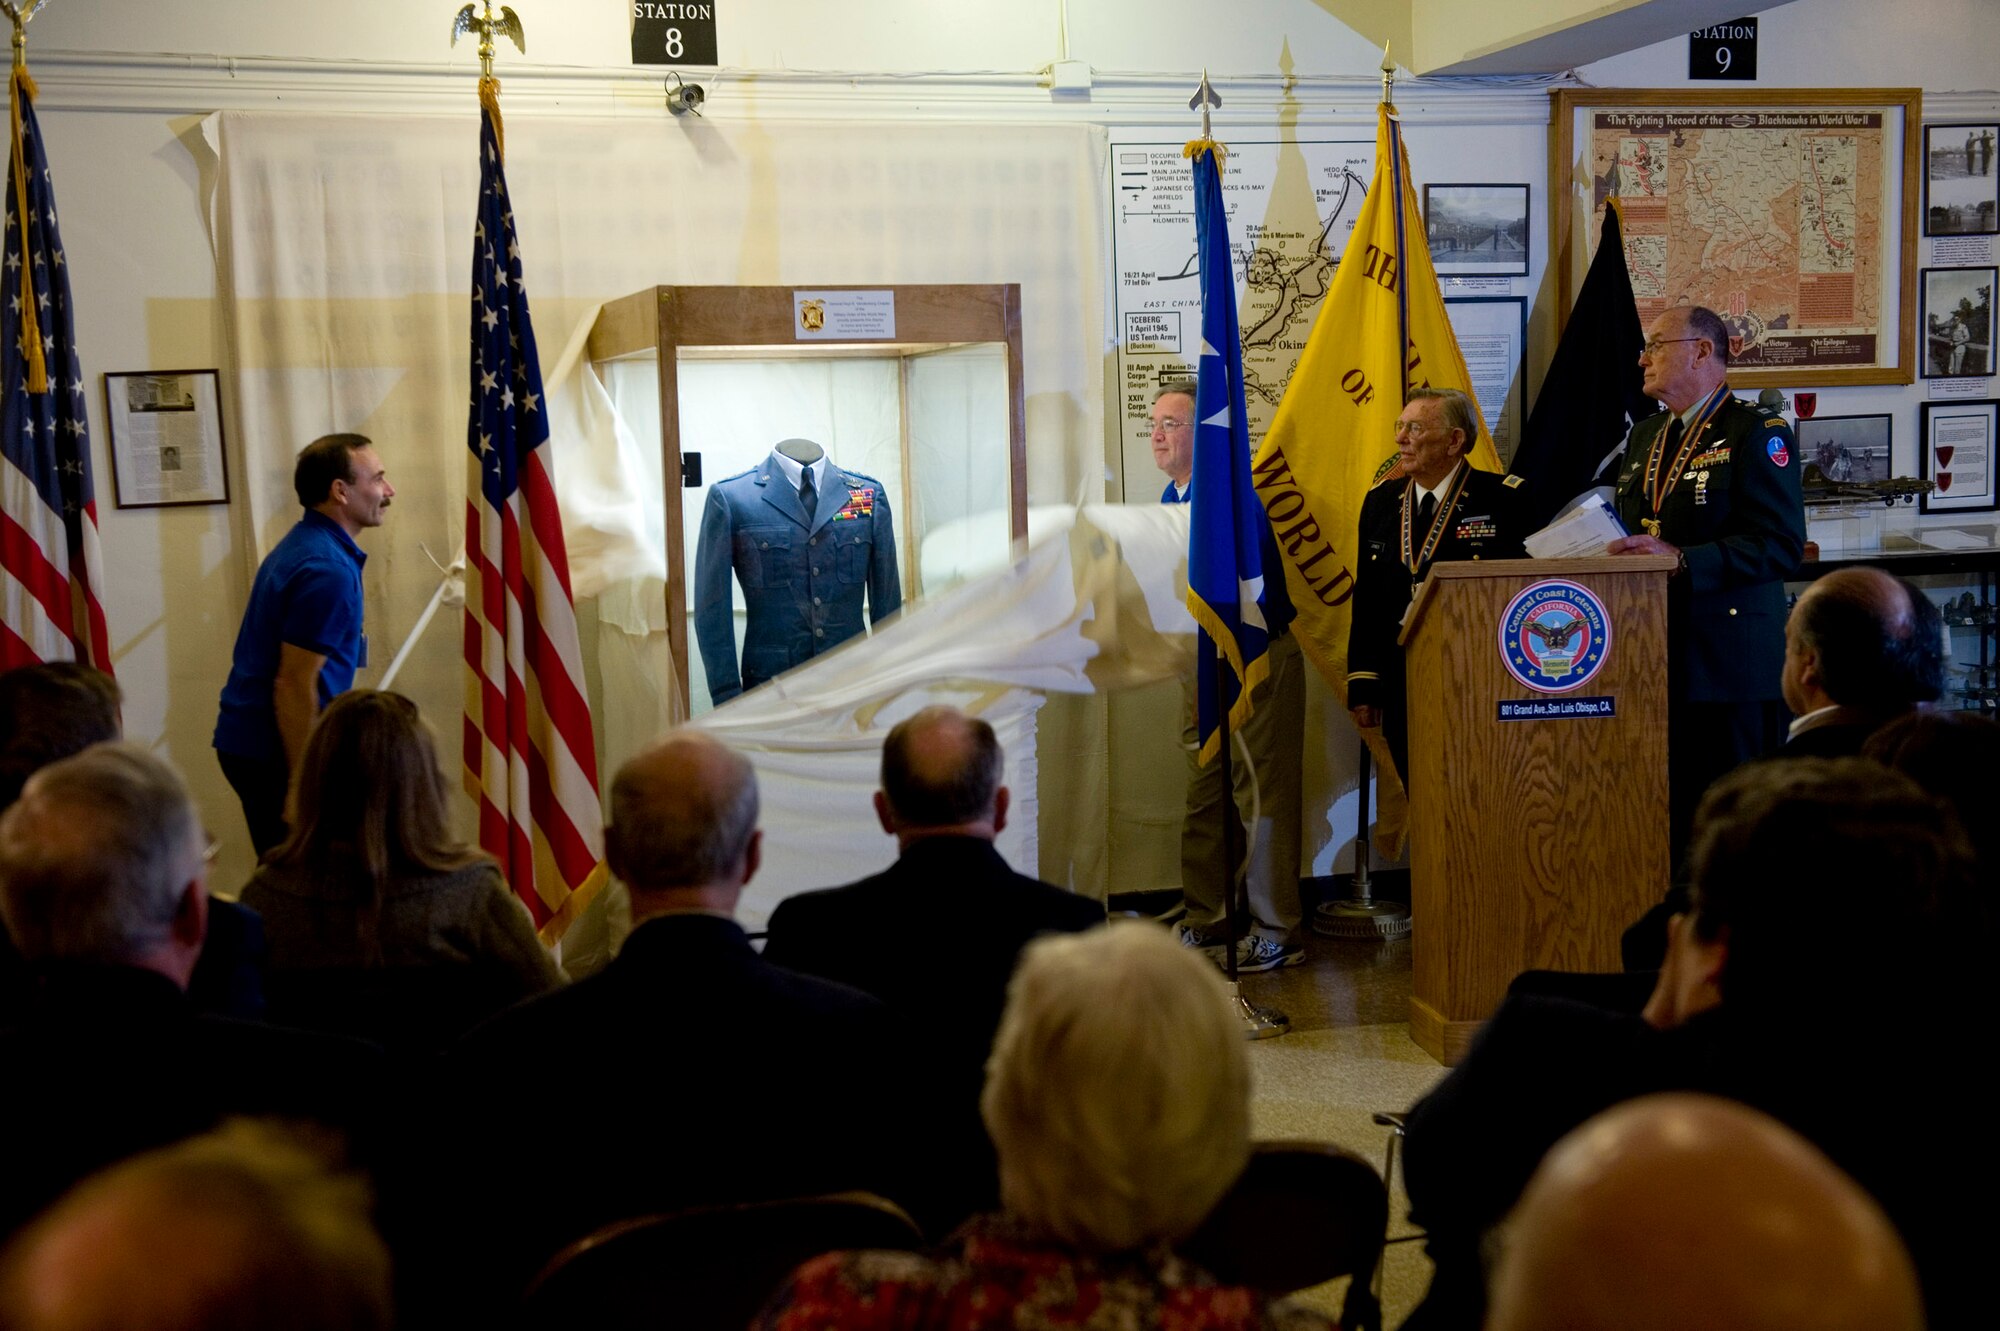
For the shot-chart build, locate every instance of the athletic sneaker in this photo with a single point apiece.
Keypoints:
(1260, 952)
(1255, 952)
(1201, 939)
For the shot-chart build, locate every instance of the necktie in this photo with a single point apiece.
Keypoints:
(1426, 514)
(808, 495)
(1675, 429)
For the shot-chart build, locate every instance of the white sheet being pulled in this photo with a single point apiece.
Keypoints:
(1098, 603)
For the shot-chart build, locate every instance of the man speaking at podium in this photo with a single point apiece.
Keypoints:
(1713, 481)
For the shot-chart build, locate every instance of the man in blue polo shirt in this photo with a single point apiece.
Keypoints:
(302, 638)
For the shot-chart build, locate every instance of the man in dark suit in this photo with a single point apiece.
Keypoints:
(806, 540)
(1713, 481)
(936, 934)
(1831, 898)
(1862, 647)
(1439, 508)
(103, 889)
(687, 1029)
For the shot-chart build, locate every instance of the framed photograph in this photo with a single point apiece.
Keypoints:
(1958, 323)
(1957, 456)
(1961, 184)
(1477, 230)
(1847, 448)
(1790, 213)
(1492, 333)
(166, 438)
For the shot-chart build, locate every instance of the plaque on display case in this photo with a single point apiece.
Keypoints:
(839, 452)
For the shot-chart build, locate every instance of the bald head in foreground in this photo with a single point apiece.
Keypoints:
(1862, 647)
(245, 1227)
(1676, 1211)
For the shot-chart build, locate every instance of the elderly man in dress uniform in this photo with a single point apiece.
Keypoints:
(1713, 481)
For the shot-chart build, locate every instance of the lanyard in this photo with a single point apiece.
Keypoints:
(1413, 560)
(1658, 489)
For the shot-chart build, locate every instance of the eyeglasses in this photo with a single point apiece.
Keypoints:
(1169, 424)
(1653, 345)
(1413, 427)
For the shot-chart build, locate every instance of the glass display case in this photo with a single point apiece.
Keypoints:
(906, 404)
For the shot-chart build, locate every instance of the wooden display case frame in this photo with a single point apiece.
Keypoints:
(762, 321)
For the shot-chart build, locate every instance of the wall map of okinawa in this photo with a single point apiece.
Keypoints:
(1291, 207)
(1790, 221)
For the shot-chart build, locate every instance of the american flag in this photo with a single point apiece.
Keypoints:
(530, 757)
(50, 567)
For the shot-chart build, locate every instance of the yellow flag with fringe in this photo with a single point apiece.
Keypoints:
(1381, 332)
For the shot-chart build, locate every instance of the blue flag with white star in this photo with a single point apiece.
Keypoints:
(1226, 570)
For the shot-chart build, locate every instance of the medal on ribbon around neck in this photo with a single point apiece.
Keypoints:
(1413, 559)
(1658, 487)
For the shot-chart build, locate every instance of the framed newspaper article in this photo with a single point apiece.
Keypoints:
(166, 438)
(1793, 214)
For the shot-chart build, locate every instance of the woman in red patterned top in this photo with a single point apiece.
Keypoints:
(1118, 1098)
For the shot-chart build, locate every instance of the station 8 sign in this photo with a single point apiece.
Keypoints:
(665, 32)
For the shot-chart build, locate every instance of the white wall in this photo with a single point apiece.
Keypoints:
(123, 79)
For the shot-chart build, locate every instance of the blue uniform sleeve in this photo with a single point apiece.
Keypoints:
(714, 600)
(885, 588)
(321, 612)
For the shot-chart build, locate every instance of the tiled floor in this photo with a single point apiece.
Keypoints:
(1347, 1056)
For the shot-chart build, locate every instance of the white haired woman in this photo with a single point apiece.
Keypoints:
(1118, 1101)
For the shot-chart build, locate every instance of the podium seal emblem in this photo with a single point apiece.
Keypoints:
(1555, 636)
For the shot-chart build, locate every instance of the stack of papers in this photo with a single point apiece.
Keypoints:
(1581, 530)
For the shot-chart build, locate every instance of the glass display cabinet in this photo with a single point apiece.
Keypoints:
(831, 446)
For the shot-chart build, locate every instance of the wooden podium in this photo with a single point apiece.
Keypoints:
(1538, 822)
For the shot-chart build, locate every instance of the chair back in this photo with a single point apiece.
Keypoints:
(707, 1267)
(1301, 1214)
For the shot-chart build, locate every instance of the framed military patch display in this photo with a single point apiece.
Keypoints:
(1955, 448)
(1793, 214)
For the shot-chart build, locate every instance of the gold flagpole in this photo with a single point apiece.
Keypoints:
(20, 85)
(508, 24)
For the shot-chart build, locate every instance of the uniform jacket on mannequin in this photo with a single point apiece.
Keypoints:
(803, 580)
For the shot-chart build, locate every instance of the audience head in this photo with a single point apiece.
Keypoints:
(49, 711)
(684, 825)
(1118, 1093)
(941, 774)
(1956, 757)
(1860, 637)
(240, 1230)
(1821, 880)
(102, 860)
(371, 796)
(1675, 1211)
